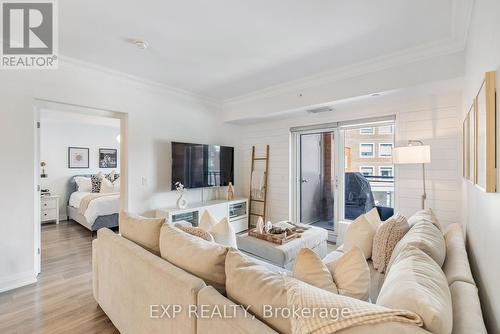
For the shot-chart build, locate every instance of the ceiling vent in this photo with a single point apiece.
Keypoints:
(320, 110)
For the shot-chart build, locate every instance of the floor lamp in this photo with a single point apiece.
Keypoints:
(415, 153)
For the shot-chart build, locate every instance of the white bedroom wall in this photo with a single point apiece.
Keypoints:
(156, 115)
(479, 208)
(55, 138)
(433, 118)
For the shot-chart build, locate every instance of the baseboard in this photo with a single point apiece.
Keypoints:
(17, 281)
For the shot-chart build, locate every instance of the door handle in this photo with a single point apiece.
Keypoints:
(303, 181)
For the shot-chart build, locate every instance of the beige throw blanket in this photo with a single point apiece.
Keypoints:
(344, 312)
(84, 204)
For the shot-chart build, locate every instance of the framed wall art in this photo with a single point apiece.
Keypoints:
(78, 157)
(108, 158)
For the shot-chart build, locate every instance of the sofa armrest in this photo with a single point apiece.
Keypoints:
(240, 323)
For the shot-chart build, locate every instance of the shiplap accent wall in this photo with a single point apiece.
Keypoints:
(433, 119)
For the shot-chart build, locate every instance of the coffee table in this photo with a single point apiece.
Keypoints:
(284, 255)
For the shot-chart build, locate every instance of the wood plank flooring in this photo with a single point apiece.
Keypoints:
(61, 301)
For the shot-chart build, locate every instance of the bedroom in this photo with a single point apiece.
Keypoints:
(79, 172)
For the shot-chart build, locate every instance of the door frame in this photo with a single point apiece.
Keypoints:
(38, 106)
(338, 142)
(300, 170)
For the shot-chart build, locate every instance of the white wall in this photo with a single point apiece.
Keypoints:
(156, 115)
(481, 209)
(55, 138)
(429, 117)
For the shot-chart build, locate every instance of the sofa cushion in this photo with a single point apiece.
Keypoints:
(426, 237)
(416, 283)
(427, 215)
(387, 236)
(467, 316)
(251, 284)
(456, 265)
(197, 256)
(360, 234)
(143, 231)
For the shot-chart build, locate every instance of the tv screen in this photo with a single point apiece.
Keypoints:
(200, 166)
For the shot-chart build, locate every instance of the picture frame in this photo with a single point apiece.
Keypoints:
(78, 157)
(465, 146)
(485, 144)
(108, 158)
(472, 134)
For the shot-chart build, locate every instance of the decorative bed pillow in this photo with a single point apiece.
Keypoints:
(425, 236)
(196, 231)
(416, 283)
(348, 275)
(222, 231)
(143, 231)
(360, 234)
(111, 176)
(386, 238)
(427, 215)
(195, 255)
(96, 182)
(83, 183)
(109, 187)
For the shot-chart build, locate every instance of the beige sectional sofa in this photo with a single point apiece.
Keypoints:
(131, 284)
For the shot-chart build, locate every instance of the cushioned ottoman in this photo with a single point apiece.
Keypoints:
(284, 255)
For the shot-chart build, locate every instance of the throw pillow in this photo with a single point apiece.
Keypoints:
(373, 217)
(109, 187)
(96, 182)
(416, 283)
(143, 231)
(427, 215)
(222, 231)
(348, 275)
(193, 254)
(360, 234)
(83, 183)
(111, 176)
(196, 231)
(386, 238)
(426, 237)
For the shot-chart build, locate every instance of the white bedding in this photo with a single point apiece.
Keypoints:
(102, 206)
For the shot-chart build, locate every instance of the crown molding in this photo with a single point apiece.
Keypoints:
(65, 60)
(461, 16)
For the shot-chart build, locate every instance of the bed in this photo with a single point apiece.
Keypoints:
(92, 210)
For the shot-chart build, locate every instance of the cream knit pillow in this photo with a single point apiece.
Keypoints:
(196, 231)
(386, 238)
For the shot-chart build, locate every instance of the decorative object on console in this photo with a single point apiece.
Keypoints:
(43, 175)
(268, 226)
(182, 203)
(230, 192)
(415, 153)
(484, 157)
(78, 157)
(108, 158)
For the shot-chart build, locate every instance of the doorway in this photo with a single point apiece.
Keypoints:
(74, 142)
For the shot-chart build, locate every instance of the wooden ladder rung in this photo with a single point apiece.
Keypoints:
(257, 200)
(260, 159)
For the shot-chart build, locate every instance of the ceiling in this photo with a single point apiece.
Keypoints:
(224, 48)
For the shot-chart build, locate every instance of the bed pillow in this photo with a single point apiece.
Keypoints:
(143, 231)
(386, 238)
(348, 275)
(96, 182)
(109, 187)
(83, 183)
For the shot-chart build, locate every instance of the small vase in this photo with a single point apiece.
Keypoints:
(260, 225)
(182, 203)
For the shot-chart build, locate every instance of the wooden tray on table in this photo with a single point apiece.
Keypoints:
(278, 239)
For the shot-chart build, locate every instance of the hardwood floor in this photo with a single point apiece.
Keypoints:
(61, 301)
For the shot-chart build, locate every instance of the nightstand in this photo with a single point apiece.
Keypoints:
(49, 207)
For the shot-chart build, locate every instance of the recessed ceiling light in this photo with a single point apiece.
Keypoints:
(140, 44)
(376, 94)
(320, 110)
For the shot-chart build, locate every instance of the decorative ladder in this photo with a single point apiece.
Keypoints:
(251, 199)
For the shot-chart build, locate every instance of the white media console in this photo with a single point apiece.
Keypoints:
(235, 210)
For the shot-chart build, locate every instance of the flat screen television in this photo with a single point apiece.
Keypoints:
(201, 166)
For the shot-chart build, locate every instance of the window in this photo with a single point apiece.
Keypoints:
(366, 170)
(385, 171)
(366, 131)
(366, 150)
(385, 130)
(384, 150)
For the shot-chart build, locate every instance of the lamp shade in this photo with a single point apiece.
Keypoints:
(411, 154)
